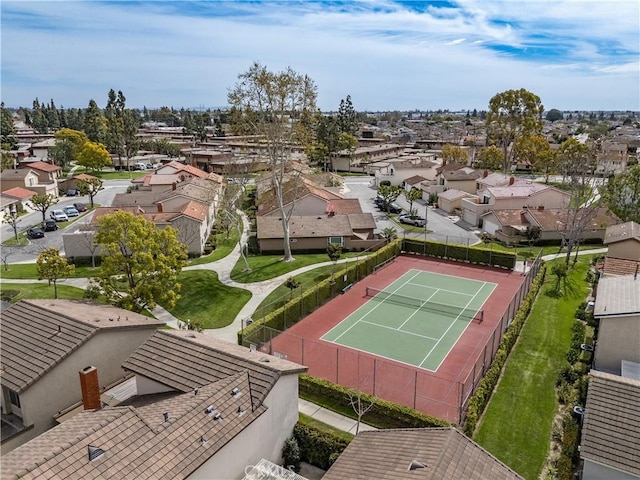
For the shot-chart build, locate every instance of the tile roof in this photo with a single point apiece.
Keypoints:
(464, 173)
(181, 167)
(19, 174)
(620, 266)
(621, 232)
(137, 442)
(611, 428)
(83, 176)
(415, 179)
(526, 189)
(441, 453)
(195, 210)
(494, 179)
(42, 166)
(294, 189)
(617, 295)
(185, 360)
(38, 334)
(314, 226)
(453, 194)
(19, 193)
(343, 206)
(509, 217)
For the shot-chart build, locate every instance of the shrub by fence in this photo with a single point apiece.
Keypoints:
(479, 400)
(310, 299)
(383, 414)
(461, 253)
(317, 447)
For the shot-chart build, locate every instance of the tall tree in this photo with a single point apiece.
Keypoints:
(68, 145)
(114, 113)
(130, 127)
(454, 154)
(512, 114)
(39, 120)
(42, 202)
(8, 137)
(347, 117)
(622, 194)
(529, 148)
(411, 196)
(490, 158)
(93, 156)
(95, 123)
(273, 105)
(53, 266)
(140, 264)
(90, 187)
(53, 117)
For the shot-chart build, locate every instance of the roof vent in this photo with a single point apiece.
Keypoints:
(264, 360)
(240, 411)
(94, 452)
(415, 465)
(203, 442)
(165, 415)
(190, 335)
(209, 410)
(235, 392)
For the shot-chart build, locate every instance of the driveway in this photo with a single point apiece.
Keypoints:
(442, 228)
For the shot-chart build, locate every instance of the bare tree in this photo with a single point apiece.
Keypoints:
(360, 406)
(275, 106)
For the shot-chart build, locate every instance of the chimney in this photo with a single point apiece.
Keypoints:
(511, 180)
(174, 185)
(90, 388)
(160, 207)
(485, 173)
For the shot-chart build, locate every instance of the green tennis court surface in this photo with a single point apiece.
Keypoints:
(416, 320)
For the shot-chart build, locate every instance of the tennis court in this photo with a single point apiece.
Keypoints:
(416, 320)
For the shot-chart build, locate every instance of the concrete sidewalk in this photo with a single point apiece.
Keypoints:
(331, 418)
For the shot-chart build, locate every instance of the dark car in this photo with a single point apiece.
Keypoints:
(49, 226)
(390, 207)
(81, 207)
(35, 233)
(72, 192)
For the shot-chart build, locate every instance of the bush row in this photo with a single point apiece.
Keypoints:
(383, 414)
(301, 305)
(479, 400)
(318, 447)
(476, 255)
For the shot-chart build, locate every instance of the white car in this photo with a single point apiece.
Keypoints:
(412, 220)
(59, 216)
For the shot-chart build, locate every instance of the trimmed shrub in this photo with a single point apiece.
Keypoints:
(291, 454)
(317, 447)
(462, 253)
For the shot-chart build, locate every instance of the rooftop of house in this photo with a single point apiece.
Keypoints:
(196, 210)
(426, 453)
(414, 180)
(550, 219)
(344, 206)
(41, 166)
(509, 217)
(37, 334)
(453, 194)
(611, 427)
(617, 296)
(464, 173)
(620, 266)
(311, 226)
(519, 189)
(19, 193)
(185, 360)
(294, 189)
(181, 168)
(622, 232)
(138, 442)
(494, 179)
(16, 174)
(84, 176)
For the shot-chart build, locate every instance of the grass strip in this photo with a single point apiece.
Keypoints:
(516, 426)
(22, 291)
(323, 427)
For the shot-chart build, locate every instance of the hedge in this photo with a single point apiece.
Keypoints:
(302, 305)
(317, 447)
(383, 414)
(463, 253)
(479, 400)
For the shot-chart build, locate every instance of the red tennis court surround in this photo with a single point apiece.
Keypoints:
(443, 393)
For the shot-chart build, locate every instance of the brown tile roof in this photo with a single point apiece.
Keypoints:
(137, 442)
(42, 166)
(620, 266)
(195, 210)
(453, 194)
(443, 453)
(620, 232)
(19, 174)
(181, 167)
(415, 179)
(185, 360)
(464, 173)
(19, 193)
(294, 189)
(83, 176)
(554, 218)
(314, 226)
(611, 428)
(344, 206)
(509, 217)
(37, 334)
(450, 167)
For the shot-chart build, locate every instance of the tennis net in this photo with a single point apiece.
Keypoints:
(449, 310)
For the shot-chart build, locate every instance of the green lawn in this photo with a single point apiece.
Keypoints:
(204, 298)
(264, 267)
(224, 246)
(29, 271)
(516, 426)
(38, 290)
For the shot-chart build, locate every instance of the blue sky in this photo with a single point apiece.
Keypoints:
(388, 55)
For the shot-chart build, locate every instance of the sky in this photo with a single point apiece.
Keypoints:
(387, 55)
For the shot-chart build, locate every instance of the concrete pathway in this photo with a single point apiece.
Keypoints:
(331, 418)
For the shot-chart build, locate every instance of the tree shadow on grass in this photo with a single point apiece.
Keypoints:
(568, 288)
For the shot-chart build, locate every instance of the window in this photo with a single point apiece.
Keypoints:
(337, 240)
(31, 181)
(14, 398)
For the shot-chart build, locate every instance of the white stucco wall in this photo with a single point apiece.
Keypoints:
(264, 438)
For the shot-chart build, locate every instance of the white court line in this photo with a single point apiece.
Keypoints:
(443, 289)
(397, 330)
(416, 311)
(357, 321)
(452, 324)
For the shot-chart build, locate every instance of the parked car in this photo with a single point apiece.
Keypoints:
(71, 211)
(390, 207)
(35, 233)
(412, 220)
(81, 207)
(49, 226)
(72, 192)
(59, 216)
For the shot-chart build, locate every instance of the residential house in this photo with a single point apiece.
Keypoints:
(358, 161)
(181, 169)
(493, 179)
(617, 308)
(300, 195)
(611, 428)
(450, 200)
(45, 343)
(517, 194)
(406, 167)
(72, 182)
(18, 197)
(40, 149)
(623, 255)
(425, 453)
(511, 225)
(30, 179)
(462, 179)
(354, 232)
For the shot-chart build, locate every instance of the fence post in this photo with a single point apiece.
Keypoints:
(415, 388)
(302, 351)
